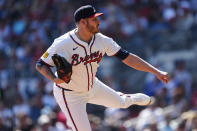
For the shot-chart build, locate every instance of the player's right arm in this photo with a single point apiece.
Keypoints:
(46, 71)
(45, 63)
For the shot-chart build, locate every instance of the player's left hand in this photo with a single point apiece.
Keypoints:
(162, 76)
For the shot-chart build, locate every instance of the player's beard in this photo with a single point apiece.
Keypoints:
(92, 29)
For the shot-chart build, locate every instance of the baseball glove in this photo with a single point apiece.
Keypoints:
(64, 69)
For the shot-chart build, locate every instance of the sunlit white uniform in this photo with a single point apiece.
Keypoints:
(86, 88)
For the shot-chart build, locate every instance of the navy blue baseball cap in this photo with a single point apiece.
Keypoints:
(86, 11)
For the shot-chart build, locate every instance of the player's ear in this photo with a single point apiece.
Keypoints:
(83, 21)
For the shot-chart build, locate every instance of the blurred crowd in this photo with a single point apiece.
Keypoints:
(145, 27)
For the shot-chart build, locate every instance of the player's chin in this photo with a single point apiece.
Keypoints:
(96, 31)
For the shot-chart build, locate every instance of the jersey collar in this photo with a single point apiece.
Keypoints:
(72, 33)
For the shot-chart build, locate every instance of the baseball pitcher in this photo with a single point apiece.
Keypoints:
(76, 56)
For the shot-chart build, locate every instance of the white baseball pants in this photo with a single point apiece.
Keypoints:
(73, 104)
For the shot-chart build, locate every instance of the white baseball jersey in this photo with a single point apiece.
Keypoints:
(84, 57)
(86, 88)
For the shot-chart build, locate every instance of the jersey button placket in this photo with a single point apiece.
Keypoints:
(89, 67)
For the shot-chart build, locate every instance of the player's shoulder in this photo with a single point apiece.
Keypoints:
(63, 40)
(103, 37)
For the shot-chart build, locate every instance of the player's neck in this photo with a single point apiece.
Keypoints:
(83, 35)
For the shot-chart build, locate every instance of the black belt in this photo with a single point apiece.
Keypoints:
(63, 88)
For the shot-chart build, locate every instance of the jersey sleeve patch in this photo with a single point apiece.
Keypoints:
(46, 54)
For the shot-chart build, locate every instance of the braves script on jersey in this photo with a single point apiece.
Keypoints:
(84, 57)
